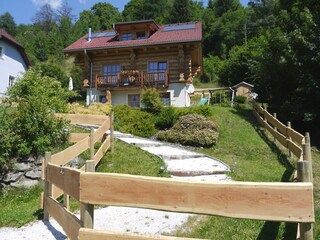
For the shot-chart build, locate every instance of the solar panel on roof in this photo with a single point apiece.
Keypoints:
(180, 27)
(103, 34)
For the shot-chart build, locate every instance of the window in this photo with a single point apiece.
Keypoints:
(126, 36)
(11, 80)
(134, 100)
(141, 35)
(103, 99)
(110, 73)
(157, 66)
(158, 69)
(165, 98)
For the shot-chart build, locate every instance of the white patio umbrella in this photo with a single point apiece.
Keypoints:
(70, 84)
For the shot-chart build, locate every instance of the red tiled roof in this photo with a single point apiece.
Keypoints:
(9, 38)
(159, 37)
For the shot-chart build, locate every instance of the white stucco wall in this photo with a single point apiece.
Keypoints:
(11, 63)
(178, 95)
(121, 97)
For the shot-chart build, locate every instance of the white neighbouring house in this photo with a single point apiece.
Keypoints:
(13, 60)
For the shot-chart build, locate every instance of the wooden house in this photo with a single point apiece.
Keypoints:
(13, 60)
(118, 64)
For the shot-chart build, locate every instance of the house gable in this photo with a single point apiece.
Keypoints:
(13, 60)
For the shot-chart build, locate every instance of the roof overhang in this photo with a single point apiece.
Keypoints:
(131, 45)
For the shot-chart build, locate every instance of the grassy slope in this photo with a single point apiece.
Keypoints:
(131, 160)
(257, 159)
(20, 206)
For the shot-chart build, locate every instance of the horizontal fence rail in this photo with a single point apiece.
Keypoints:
(289, 202)
(83, 141)
(263, 201)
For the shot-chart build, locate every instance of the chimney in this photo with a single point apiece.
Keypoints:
(89, 35)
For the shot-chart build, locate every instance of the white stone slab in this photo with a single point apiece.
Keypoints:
(195, 166)
(169, 152)
(139, 141)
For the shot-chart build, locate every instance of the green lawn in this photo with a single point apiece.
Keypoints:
(253, 156)
(19, 206)
(131, 160)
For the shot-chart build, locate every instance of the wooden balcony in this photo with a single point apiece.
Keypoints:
(132, 79)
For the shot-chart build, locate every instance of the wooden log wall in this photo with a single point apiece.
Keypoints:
(143, 55)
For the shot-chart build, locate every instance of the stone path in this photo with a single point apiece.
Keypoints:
(180, 163)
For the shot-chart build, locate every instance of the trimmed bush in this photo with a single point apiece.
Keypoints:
(200, 138)
(194, 122)
(166, 118)
(204, 110)
(151, 100)
(133, 121)
(193, 130)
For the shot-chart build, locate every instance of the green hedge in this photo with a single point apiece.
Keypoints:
(134, 121)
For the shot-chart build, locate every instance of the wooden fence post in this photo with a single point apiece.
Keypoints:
(112, 131)
(275, 128)
(47, 186)
(91, 143)
(308, 156)
(288, 126)
(304, 171)
(87, 210)
(265, 121)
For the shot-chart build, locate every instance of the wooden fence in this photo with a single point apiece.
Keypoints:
(287, 136)
(289, 202)
(297, 144)
(83, 141)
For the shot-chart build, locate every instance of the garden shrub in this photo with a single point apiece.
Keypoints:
(204, 110)
(192, 130)
(151, 100)
(194, 122)
(199, 138)
(240, 99)
(134, 121)
(166, 118)
(33, 123)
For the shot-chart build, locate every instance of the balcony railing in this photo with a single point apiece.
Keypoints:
(126, 79)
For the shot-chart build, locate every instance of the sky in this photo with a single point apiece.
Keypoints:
(24, 10)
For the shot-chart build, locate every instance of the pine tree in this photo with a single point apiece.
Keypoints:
(181, 11)
(8, 24)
